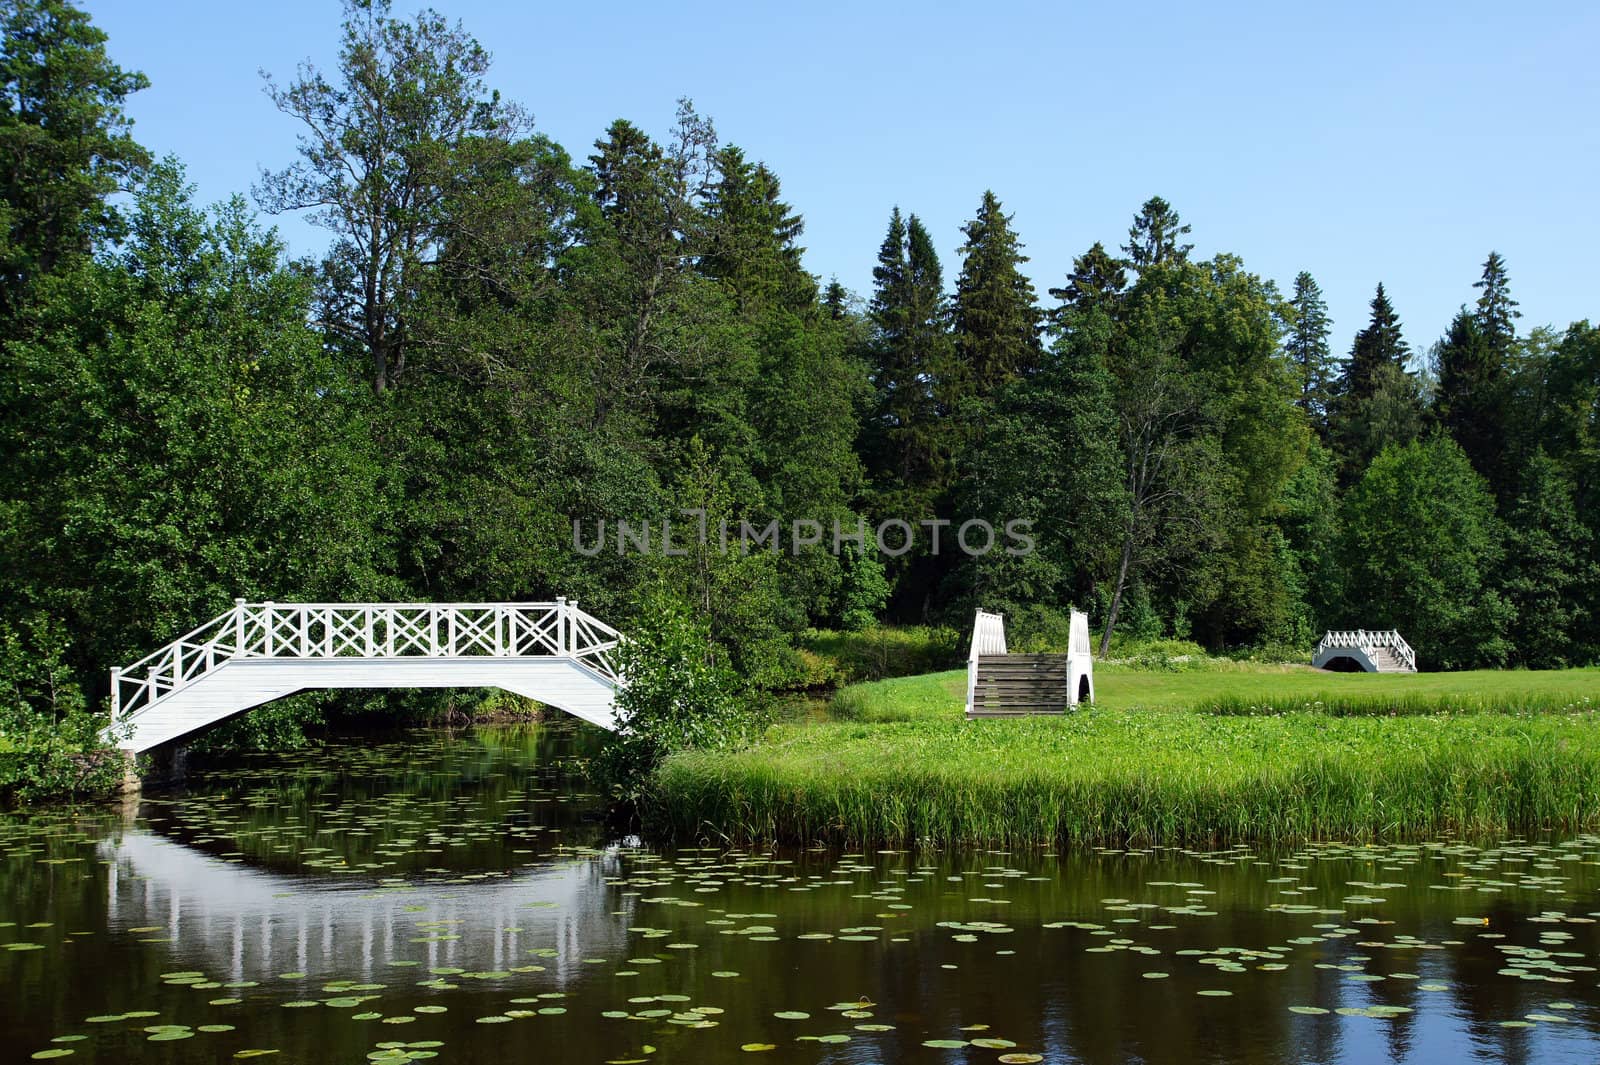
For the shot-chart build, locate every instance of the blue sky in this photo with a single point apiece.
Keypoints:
(1363, 142)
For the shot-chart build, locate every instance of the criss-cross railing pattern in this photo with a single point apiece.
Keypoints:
(367, 630)
(1369, 640)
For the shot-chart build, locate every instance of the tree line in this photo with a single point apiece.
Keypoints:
(503, 338)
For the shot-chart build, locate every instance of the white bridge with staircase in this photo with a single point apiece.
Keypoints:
(1000, 684)
(1365, 651)
(554, 653)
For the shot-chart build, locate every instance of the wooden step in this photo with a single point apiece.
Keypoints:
(1024, 707)
(1021, 686)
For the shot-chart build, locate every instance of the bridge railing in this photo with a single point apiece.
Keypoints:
(367, 630)
(1369, 640)
(988, 638)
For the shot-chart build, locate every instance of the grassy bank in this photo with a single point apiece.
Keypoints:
(1176, 758)
(1234, 688)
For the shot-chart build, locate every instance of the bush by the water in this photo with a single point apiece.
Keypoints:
(681, 695)
(50, 745)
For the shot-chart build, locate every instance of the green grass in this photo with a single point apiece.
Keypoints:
(1166, 758)
(881, 651)
(1242, 688)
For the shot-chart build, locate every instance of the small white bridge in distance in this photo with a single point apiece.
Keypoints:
(554, 653)
(1365, 651)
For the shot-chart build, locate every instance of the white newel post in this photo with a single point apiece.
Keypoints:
(116, 693)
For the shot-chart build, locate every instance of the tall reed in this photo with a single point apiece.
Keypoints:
(1127, 777)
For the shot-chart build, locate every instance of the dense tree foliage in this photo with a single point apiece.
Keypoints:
(507, 351)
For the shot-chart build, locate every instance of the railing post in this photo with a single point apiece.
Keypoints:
(116, 693)
(238, 628)
(572, 626)
(561, 625)
(267, 626)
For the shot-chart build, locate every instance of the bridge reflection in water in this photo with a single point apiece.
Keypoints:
(232, 918)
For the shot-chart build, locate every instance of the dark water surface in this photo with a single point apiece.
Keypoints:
(453, 897)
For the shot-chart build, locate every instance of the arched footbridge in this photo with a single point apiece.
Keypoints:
(257, 652)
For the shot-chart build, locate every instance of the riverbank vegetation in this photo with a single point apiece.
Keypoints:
(507, 340)
(1266, 754)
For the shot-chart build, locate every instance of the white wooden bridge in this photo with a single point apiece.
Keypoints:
(1000, 684)
(257, 652)
(1363, 650)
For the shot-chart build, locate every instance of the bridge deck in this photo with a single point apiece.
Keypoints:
(551, 652)
(1368, 650)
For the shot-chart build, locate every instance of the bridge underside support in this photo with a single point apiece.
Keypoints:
(244, 683)
(1344, 660)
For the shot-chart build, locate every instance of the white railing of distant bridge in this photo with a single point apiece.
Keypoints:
(366, 630)
(988, 638)
(1369, 641)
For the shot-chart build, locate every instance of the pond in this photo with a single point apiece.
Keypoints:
(453, 897)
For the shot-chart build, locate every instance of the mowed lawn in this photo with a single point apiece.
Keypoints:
(1240, 687)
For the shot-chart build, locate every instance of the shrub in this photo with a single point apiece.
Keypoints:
(50, 744)
(680, 695)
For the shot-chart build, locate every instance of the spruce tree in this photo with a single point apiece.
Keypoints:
(65, 145)
(1153, 237)
(1474, 361)
(909, 350)
(1497, 311)
(1307, 348)
(836, 300)
(751, 238)
(1472, 392)
(1376, 400)
(929, 308)
(995, 313)
(1379, 344)
(1096, 280)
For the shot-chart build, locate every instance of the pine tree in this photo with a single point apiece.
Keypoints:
(1096, 280)
(1307, 348)
(995, 313)
(1153, 237)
